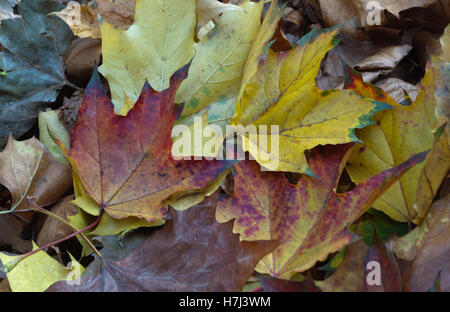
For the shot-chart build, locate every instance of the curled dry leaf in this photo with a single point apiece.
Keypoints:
(27, 169)
(383, 62)
(12, 226)
(119, 13)
(397, 89)
(80, 59)
(82, 19)
(192, 252)
(428, 247)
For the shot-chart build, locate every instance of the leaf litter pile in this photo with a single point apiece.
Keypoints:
(92, 197)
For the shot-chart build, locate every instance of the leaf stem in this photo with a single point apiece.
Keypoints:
(9, 266)
(35, 207)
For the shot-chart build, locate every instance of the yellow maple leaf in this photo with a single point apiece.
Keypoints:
(399, 134)
(38, 271)
(162, 39)
(282, 92)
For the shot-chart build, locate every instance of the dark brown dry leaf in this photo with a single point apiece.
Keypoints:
(52, 229)
(69, 110)
(292, 20)
(281, 43)
(192, 252)
(228, 184)
(351, 274)
(11, 227)
(4, 286)
(80, 59)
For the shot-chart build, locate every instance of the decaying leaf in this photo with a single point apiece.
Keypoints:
(283, 93)
(119, 13)
(400, 133)
(428, 247)
(31, 63)
(310, 218)
(397, 89)
(353, 273)
(80, 59)
(27, 169)
(191, 253)
(383, 62)
(125, 163)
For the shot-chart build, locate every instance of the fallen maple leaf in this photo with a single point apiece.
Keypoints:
(399, 134)
(216, 72)
(192, 252)
(310, 218)
(218, 58)
(31, 64)
(125, 163)
(428, 247)
(283, 93)
(165, 31)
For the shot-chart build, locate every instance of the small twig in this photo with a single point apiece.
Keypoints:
(35, 207)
